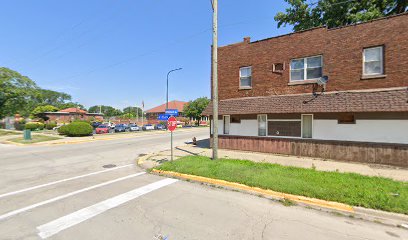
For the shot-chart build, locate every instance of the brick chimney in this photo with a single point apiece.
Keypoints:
(247, 39)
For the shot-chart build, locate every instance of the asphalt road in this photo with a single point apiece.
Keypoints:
(63, 192)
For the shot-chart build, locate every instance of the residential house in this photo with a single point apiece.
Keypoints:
(71, 114)
(272, 96)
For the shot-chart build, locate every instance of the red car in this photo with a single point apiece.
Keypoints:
(102, 129)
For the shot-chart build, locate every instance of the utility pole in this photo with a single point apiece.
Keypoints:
(215, 79)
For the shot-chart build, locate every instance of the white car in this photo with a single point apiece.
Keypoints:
(134, 127)
(110, 124)
(148, 127)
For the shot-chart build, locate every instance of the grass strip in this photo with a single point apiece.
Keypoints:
(35, 139)
(7, 133)
(349, 188)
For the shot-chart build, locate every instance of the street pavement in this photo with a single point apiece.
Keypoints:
(64, 192)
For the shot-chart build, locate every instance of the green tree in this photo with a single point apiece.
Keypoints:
(195, 108)
(303, 14)
(108, 111)
(20, 94)
(133, 111)
(40, 110)
(54, 98)
(70, 105)
(17, 93)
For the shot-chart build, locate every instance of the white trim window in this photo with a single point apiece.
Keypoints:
(373, 61)
(245, 77)
(291, 128)
(262, 125)
(309, 68)
(227, 123)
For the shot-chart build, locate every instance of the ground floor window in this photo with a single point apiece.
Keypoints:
(262, 119)
(285, 128)
(226, 121)
(299, 128)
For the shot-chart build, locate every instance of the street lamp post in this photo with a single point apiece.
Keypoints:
(167, 92)
(167, 107)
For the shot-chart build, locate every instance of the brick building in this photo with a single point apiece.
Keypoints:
(153, 113)
(70, 114)
(270, 99)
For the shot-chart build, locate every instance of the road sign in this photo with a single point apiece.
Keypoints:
(172, 124)
(163, 117)
(172, 112)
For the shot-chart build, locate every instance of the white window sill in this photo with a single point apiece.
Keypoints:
(245, 88)
(302, 82)
(373, 76)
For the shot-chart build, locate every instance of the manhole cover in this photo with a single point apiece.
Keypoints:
(109, 166)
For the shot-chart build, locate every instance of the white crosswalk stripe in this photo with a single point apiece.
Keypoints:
(49, 229)
(21, 210)
(61, 181)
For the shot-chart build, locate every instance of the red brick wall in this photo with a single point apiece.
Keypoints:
(342, 58)
(378, 153)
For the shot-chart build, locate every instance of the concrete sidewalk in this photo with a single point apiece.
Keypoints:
(399, 174)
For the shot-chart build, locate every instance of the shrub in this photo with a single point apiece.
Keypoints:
(31, 126)
(51, 125)
(78, 129)
(40, 126)
(63, 130)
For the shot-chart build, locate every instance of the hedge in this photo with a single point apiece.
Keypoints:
(34, 126)
(63, 130)
(76, 129)
(51, 125)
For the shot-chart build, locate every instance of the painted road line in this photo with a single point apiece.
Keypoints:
(61, 181)
(49, 229)
(18, 211)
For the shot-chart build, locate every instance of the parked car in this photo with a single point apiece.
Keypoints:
(160, 127)
(147, 127)
(121, 128)
(102, 129)
(109, 124)
(96, 124)
(134, 127)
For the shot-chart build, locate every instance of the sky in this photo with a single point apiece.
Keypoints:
(118, 52)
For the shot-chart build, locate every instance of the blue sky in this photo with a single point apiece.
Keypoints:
(118, 53)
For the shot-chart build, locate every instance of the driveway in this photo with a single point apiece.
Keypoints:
(76, 192)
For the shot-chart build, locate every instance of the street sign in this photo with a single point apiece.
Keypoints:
(163, 117)
(172, 112)
(172, 124)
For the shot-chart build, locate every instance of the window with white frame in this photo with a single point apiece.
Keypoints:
(298, 128)
(227, 123)
(309, 68)
(262, 124)
(373, 61)
(245, 77)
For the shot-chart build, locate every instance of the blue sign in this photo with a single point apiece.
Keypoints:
(163, 117)
(172, 112)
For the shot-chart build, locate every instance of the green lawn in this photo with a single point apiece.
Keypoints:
(6, 133)
(35, 139)
(353, 189)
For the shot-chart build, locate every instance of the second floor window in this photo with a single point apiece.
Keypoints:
(373, 61)
(245, 77)
(309, 68)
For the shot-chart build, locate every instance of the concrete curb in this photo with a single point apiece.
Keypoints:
(387, 218)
